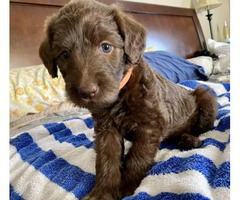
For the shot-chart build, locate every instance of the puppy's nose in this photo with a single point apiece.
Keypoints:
(89, 90)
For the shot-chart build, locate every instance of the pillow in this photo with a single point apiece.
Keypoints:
(222, 64)
(32, 90)
(218, 47)
(173, 67)
(204, 61)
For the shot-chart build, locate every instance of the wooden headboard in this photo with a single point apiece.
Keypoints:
(176, 30)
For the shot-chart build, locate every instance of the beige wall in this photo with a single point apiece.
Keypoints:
(220, 14)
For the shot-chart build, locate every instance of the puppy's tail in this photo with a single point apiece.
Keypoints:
(207, 110)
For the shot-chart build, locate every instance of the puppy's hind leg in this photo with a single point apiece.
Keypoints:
(207, 110)
(188, 142)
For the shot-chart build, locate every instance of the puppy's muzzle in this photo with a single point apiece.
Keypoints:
(89, 91)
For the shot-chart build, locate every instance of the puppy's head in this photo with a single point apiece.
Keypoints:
(93, 45)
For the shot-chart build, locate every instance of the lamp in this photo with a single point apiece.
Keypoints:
(208, 5)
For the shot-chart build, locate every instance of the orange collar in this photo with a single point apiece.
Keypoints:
(126, 77)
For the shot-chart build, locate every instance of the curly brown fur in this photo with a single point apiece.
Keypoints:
(147, 110)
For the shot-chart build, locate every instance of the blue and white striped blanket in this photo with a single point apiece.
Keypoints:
(57, 161)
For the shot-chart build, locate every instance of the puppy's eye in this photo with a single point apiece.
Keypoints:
(106, 48)
(65, 54)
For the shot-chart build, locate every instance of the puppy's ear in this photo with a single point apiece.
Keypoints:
(133, 34)
(47, 58)
(45, 51)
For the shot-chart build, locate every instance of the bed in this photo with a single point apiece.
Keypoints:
(52, 141)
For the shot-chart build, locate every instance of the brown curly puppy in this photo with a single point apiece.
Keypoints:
(94, 46)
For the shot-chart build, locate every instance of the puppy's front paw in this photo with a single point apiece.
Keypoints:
(98, 195)
(128, 187)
